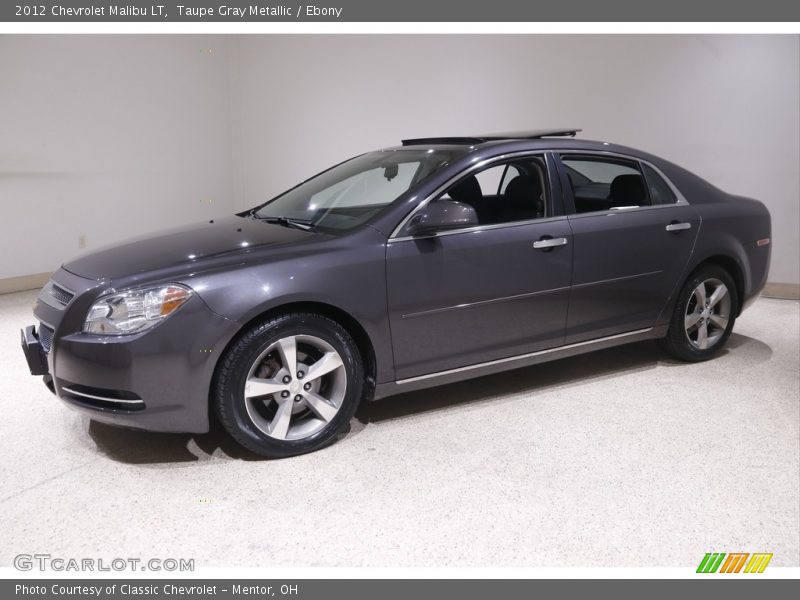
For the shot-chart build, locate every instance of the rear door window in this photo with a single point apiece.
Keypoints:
(602, 183)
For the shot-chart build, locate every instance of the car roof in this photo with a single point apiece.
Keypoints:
(487, 146)
(544, 139)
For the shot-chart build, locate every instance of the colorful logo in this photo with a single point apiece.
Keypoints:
(733, 562)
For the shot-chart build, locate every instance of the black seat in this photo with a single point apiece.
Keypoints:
(522, 200)
(627, 190)
(467, 191)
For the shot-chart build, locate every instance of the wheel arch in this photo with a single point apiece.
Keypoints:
(733, 266)
(357, 331)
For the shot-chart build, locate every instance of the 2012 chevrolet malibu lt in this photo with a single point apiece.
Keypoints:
(419, 265)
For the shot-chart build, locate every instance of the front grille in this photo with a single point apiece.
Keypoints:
(61, 295)
(45, 337)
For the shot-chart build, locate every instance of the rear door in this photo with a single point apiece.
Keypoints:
(633, 236)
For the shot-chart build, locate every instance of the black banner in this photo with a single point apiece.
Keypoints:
(406, 11)
(386, 589)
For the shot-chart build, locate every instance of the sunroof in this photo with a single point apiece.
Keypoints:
(492, 137)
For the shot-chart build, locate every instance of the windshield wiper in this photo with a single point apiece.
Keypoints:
(304, 224)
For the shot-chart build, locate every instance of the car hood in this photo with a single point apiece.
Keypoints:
(189, 246)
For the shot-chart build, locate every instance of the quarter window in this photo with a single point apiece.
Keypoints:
(660, 191)
(602, 183)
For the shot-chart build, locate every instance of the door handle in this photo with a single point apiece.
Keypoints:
(546, 243)
(676, 226)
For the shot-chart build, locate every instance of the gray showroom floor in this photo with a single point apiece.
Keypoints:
(618, 458)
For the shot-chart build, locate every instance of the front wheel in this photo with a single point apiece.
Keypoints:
(704, 315)
(289, 385)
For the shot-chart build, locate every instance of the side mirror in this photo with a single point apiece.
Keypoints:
(442, 215)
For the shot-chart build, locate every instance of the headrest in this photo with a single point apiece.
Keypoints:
(467, 190)
(627, 190)
(524, 191)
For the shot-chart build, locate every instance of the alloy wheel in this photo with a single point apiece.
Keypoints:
(708, 313)
(295, 387)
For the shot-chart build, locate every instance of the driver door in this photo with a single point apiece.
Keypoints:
(488, 291)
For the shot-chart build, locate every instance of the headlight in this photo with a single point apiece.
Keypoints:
(132, 311)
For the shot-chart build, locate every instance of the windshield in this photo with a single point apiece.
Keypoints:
(351, 193)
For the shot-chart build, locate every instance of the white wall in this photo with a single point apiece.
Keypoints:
(726, 107)
(112, 136)
(107, 137)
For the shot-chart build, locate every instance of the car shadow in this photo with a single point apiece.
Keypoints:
(594, 366)
(136, 447)
(141, 447)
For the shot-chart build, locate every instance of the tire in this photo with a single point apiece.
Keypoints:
(275, 413)
(685, 340)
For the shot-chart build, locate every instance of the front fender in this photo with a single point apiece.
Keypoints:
(345, 274)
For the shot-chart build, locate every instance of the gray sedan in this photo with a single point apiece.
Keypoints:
(430, 262)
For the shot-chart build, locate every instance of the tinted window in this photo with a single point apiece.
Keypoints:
(494, 180)
(523, 191)
(575, 178)
(511, 172)
(351, 193)
(600, 183)
(660, 192)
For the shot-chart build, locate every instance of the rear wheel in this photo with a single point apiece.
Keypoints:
(289, 385)
(704, 315)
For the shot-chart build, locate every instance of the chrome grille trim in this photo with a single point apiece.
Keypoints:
(102, 398)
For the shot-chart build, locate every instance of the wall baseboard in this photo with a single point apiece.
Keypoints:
(784, 291)
(24, 282)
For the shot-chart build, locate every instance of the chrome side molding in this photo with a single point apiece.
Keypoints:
(521, 356)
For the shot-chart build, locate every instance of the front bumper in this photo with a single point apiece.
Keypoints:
(33, 351)
(158, 380)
